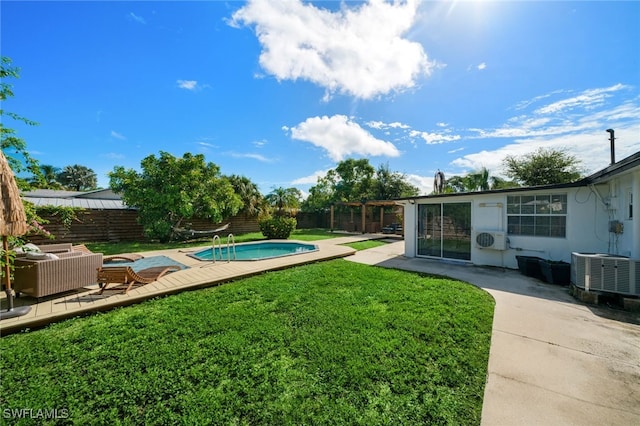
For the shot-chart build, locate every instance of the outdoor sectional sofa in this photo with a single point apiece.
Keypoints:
(68, 269)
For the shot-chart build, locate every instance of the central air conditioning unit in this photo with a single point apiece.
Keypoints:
(606, 273)
(491, 240)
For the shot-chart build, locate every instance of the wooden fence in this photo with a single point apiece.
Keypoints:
(122, 225)
(93, 225)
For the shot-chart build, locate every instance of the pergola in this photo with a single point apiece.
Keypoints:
(363, 210)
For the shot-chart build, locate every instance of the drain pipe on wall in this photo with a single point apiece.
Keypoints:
(524, 248)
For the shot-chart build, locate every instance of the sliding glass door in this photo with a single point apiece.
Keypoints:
(444, 230)
(429, 229)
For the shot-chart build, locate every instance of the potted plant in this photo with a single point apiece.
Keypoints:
(555, 272)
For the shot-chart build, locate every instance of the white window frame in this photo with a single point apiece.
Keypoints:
(537, 211)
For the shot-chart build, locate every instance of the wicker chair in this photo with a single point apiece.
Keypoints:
(71, 271)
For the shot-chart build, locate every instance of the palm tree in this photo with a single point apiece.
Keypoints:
(455, 184)
(50, 174)
(478, 180)
(500, 183)
(78, 178)
(252, 199)
(286, 201)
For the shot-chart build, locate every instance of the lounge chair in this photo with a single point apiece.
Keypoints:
(124, 257)
(125, 277)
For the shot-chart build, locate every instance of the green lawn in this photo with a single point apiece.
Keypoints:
(364, 245)
(327, 343)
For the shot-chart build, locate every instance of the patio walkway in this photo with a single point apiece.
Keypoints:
(199, 275)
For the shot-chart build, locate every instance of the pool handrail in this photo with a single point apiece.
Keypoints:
(213, 247)
(231, 240)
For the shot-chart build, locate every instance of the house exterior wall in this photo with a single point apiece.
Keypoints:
(410, 229)
(590, 211)
(621, 203)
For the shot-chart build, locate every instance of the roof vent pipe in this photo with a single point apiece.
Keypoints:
(613, 150)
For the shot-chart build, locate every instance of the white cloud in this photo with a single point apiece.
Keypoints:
(569, 121)
(252, 156)
(206, 144)
(397, 125)
(424, 183)
(587, 99)
(482, 66)
(113, 156)
(434, 138)
(524, 104)
(117, 135)
(341, 137)
(138, 19)
(583, 113)
(592, 149)
(311, 179)
(358, 51)
(187, 84)
(376, 124)
(380, 125)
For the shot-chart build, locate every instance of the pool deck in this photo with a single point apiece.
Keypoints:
(200, 274)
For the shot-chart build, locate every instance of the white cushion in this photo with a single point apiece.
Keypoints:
(41, 256)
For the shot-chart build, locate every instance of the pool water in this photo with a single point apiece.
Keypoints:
(255, 251)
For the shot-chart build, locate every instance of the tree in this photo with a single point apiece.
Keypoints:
(171, 190)
(543, 167)
(15, 148)
(320, 197)
(78, 178)
(389, 185)
(479, 180)
(285, 201)
(356, 180)
(500, 183)
(252, 199)
(49, 179)
(352, 180)
(456, 184)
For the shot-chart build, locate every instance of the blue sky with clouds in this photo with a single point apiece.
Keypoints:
(281, 90)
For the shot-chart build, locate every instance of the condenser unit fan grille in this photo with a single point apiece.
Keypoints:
(485, 239)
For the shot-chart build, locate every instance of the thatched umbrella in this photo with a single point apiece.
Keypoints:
(13, 222)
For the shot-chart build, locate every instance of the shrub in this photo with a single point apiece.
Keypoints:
(277, 227)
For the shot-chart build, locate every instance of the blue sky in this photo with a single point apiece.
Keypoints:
(281, 91)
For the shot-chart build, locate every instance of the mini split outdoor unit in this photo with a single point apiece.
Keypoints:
(491, 240)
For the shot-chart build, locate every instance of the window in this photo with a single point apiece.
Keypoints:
(629, 204)
(537, 215)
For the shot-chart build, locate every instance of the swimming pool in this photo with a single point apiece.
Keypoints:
(256, 251)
